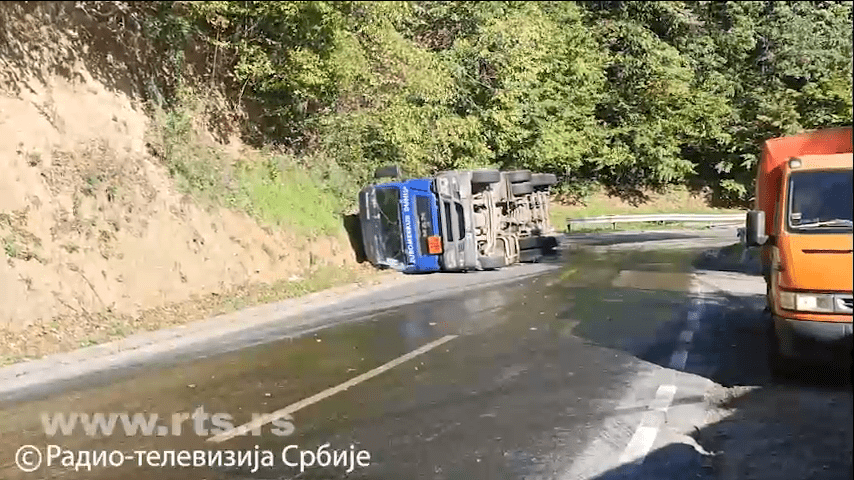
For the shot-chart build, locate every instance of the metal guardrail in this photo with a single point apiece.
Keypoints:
(658, 218)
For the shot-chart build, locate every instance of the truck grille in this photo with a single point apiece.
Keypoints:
(847, 303)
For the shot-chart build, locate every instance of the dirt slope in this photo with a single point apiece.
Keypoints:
(89, 221)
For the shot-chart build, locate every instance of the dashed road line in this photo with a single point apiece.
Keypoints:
(678, 359)
(639, 445)
(698, 307)
(265, 419)
(664, 397)
(644, 437)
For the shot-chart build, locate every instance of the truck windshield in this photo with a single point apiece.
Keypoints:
(391, 232)
(820, 201)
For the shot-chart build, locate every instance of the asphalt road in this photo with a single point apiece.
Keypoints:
(614, 360)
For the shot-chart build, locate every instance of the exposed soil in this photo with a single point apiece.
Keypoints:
(95, 236)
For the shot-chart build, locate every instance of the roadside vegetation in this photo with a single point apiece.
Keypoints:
(276, 188)
(623, 94)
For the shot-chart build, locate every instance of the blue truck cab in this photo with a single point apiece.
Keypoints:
(400, 225)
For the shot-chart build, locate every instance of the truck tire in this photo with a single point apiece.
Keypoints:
(543, 179)
(392, 171)
(530, 256)
(781, 367)
(519, 189)
(548, 244)
(485, 176)
(492, 262)
(518, 176)
(529, 242)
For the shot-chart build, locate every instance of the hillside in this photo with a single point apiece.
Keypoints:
(96, 234)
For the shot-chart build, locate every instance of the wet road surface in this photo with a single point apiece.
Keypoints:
(555, 375)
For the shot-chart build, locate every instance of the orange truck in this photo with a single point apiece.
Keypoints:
(802, 221)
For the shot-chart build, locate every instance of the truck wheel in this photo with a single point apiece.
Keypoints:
(548, 244)
(781, 367)
(543, 179)
(492, 262)
(392, 171)
(517, 176)
(485, 176)
(529, 242)
(530, 256)
(519, 189)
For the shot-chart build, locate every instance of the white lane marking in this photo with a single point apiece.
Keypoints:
(644, 437)
(693, 324)
(270, 417)
(639, 445)
(694, 315)
(664, 397)
(696, 311)
(698, 305)
(678, 359)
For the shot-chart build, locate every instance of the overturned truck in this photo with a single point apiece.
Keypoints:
(457, 220)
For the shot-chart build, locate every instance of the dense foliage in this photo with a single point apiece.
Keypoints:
(624, 93)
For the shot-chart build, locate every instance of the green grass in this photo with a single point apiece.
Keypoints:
(290, 198)
(273, 188)
(10, 247)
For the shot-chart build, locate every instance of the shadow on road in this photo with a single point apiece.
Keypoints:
(762, 427)
(774, 432)
(676, 461)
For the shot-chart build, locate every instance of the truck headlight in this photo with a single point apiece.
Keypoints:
(787, 300)
(807, 302)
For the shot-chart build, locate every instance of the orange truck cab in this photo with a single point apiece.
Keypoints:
(803, 222)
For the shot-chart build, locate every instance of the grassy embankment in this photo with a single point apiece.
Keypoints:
(275, 188)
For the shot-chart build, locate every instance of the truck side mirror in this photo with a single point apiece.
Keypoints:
(392, 171)
(755, 228)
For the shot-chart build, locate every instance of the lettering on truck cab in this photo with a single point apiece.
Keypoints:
(407, 225)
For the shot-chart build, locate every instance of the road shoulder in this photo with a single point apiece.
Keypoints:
(143, 347)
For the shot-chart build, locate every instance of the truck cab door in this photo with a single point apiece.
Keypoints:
(428, 244)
